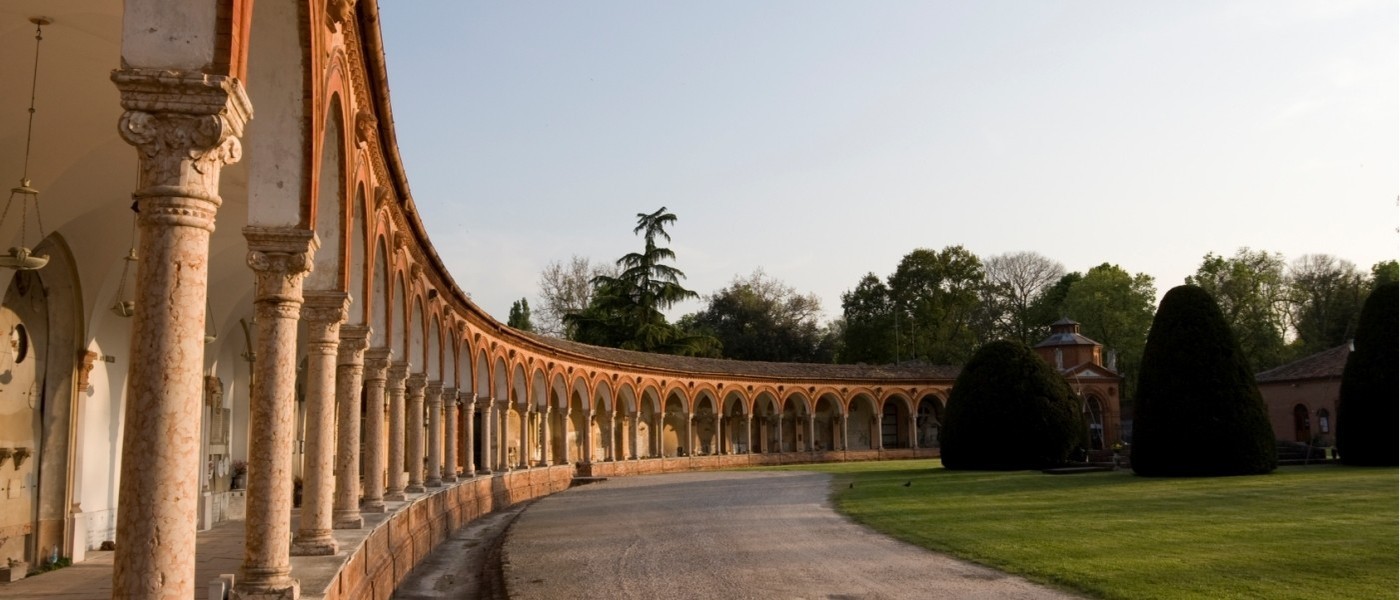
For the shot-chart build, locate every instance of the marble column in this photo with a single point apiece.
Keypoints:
(398, 379)
(349, 375)
(587, 436)
(185, 127)
(629, 431)
(811, 432)
(546, 443)
(779, 419)
(449, 435)
(842, 432)
(878, 436)
(748, 434)
(323, 312)
(375, 374)
(469, 434)
(432, 398)
(413, 431)
(280, 259)
(503, 435)
(523, 459)
(658, 421)
(484, 407)
(689, 434)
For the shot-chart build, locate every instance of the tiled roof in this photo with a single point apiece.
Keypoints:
(1066, 339)
(715, 367)
(1323, 365)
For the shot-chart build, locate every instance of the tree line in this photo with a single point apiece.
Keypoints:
(939, 306)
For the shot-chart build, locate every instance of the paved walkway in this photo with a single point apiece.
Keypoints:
(725, 535)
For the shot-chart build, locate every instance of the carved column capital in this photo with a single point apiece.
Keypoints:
(323, 312)
(280, 258)
(398, 373)
(416, 383)
(354, 340)
(432, 393)
(449, 395)
(376, 364)
(186, 126)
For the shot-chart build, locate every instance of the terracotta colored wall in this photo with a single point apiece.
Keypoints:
(387, 555)
(1280, 398)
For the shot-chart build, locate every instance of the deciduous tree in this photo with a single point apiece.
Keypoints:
(869, 323)
(1252, 293)
(1326, 296)
(760, 318)
(566, 287)
(1115, 309)
(1014, 281)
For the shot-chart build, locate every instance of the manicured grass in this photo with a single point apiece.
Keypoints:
(1301, 532)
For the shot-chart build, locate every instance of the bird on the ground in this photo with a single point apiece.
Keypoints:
(852, 486)
(909, 483)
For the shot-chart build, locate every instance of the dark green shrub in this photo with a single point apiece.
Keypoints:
(1009, 410)
(1369, 406)
(1199, 411)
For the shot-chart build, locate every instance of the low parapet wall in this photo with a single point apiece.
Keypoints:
(649, 466)
(376, 566)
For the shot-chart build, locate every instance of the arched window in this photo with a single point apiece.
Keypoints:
(1324, 421)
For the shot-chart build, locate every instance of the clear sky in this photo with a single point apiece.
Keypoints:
(821, 140)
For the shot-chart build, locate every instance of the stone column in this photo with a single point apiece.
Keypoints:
(503, 435)
(376, 372)
(449, 443)
(523, 460)
(690, 434)
(432, 398)
(636, 436)
(280, 259)
(587, 435)
(658, 422)
(485, 406)
(413, 431)
(349, 372)
(811, 432)
(913, 431)
(546, 442)
(323, 313)
(185, 127)
(748, 434)
(468, 434)
(878, 436)
(398, 379)
(779, 419)
(843, 434)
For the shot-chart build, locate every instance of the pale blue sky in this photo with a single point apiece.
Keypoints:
(821, 140)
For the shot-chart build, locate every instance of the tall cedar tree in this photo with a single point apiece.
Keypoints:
(1369, 405)
(1009, 410)
(1199, 411)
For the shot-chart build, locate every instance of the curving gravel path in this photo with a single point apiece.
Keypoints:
(759, 535)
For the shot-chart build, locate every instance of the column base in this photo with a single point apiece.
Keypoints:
(318, 544)
(470, 474)
(398, 496)
(415, 488)
(290, 589)
(348, 520)
(450, 479)
(484, 472)
(373, 506)
(433, 483)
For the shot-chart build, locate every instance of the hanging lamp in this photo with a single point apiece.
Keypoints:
(21, 257)
(123, 307)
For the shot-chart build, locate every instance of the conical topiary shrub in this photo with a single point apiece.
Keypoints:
(1009, 410)
(1369, 406)
(1198, 409)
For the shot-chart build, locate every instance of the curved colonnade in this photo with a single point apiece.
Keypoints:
(363, 370)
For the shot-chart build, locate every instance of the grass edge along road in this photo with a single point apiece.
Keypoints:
(1302, 532)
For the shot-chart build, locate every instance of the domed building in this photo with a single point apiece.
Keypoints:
(1097, 385)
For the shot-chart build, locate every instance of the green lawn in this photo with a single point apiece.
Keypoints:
(1302, 532)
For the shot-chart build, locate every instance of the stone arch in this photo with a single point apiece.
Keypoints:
(734, 426)
(557, 398)
(705, 423)
(794, 420)
(675, 408)
(356, 258)
(433, 361)
(328, 212)
(276, 143)
(379, 307)
(861, 432)
(417, 348)
(41, 317)
(649, 417)
(765, 430)
(896, 421)
(398, 319)
(1096, 421)
(603, 424)
(826, 424)
(628, 438)
(929, 419)
(579, 410)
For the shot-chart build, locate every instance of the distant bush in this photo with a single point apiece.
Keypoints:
(1009, 410)
(1369, 406)
(1198, 409)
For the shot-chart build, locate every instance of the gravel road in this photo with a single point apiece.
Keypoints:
(738, 535)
